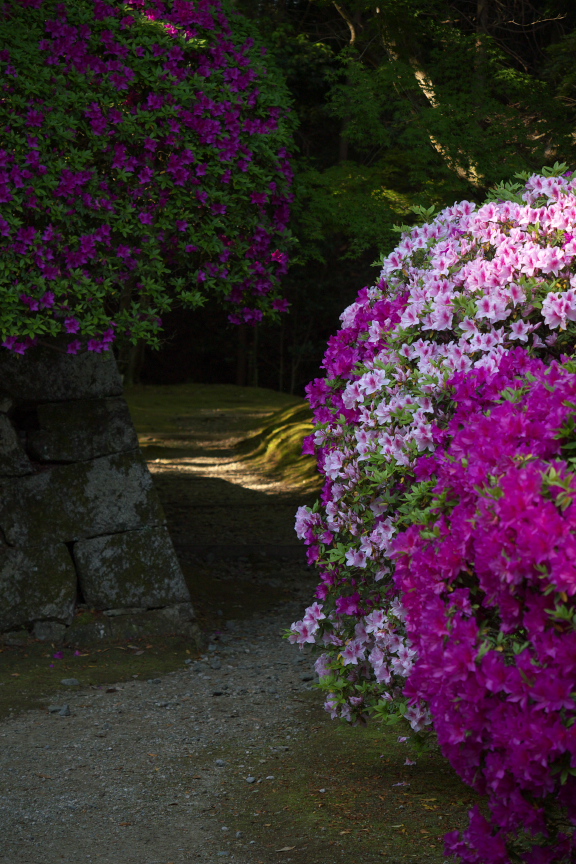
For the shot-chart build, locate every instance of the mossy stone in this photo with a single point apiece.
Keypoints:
(49, 631)
(172, 620)
(179, 619)
(48, 375)
(37, 583)
(13, 460)
(6, 403)
(16, 638)
(85, 429)
(72, 502)
(134, 569)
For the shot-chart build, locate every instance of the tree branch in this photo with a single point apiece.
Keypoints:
(348, 22)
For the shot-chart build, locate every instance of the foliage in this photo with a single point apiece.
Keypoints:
(437, 101)
(348, 201)
(370, 143)
(456, 296)
(364, 155)
(144, 162)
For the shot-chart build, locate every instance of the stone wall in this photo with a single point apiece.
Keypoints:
(84, 549)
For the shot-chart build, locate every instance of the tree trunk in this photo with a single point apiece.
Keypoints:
(241, 356)
(343, 142)
(281, 367)
(253, 359)
(130, 362)
(428, 89)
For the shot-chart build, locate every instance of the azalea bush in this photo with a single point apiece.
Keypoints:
(488, 577)
(143, 162)
(468, 327)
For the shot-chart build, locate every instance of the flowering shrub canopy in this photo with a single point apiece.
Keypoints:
(488, 583)
(417, 518)
(143, 159)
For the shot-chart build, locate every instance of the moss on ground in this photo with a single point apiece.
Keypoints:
(268, 427)
(30, 675)
(173, 408)
(344, 794)
(277, 447)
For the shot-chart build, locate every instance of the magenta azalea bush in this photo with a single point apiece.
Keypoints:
(488, 579)
(444, 536)
(143, 162)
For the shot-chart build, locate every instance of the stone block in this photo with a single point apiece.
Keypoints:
(125, 610)
(80, 430)
(13, 459)
(36, 584)
(45, 375)
(6, 403)
(73, 502)
(179, 620)
(170, 621)
(133, 569)
(49, 631)
(16, 638)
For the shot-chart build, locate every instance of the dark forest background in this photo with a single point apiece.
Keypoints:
(398, 103)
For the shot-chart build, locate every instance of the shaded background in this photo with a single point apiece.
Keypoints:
(399, 103)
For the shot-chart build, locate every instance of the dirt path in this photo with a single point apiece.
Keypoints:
(228, 756)
(140, 772)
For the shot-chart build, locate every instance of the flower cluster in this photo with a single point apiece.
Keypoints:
(379, 649)
(488, 582)
(143, 161)
(456, 298)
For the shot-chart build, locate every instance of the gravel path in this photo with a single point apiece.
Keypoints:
(184, 768)
(138, 772)
(152, 772)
